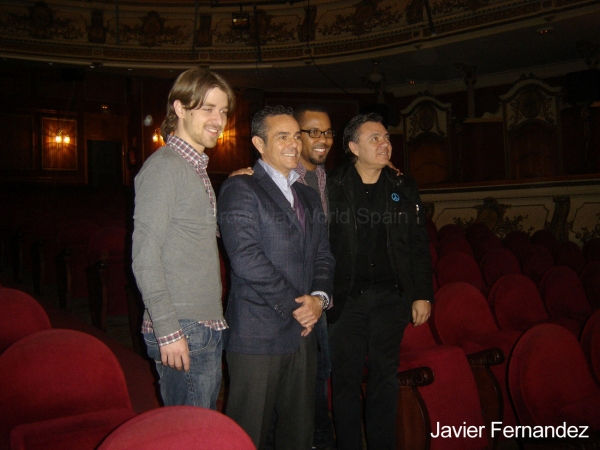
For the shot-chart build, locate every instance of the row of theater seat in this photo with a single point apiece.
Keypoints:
(532, 359)
(77, 243)
(64, 389)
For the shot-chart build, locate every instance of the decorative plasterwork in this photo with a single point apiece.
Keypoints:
(287, 33)
(425, 115)
(530, 100)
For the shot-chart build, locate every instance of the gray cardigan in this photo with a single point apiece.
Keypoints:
(175, 254)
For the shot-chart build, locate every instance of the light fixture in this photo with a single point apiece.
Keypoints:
(156, 137)
(62, 138)
(240, 20)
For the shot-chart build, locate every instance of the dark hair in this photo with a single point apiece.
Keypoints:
(306, 107)
(191, 88)
(351, 131)
(259, 121)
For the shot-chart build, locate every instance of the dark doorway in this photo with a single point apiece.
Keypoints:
(105, 163)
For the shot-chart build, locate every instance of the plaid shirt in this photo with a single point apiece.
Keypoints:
(199, 161)
(321, 181)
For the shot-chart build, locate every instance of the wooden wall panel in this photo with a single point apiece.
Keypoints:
(17, 150)
(534, 152)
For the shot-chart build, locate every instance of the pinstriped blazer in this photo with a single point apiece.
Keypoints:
(273, 261)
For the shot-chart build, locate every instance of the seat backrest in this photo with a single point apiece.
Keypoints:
(569, 254)
(546, 372)
(535, 260)
(516, 303)
(545, 238)
(563, 293)
(107, 242)
(454, 243)
(58, 373)
(590, 344)
(484, 243)
(432, 231)
(20, 316)
(458, 266)
(173, 427)
(516, 241)
(498, 262)
(417, 338)
(476, 229)
(449, 229)
(76, 233)
(591, 249)
(590, 278)
(461, 312)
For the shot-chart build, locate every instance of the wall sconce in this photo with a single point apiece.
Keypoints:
(240, 20)
(62, 138)
(156, 137)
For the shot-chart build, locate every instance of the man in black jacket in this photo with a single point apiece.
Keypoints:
(383, 280)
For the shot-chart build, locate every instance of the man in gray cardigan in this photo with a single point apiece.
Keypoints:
(175, 254)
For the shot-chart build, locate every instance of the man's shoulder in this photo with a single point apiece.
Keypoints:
(338, 173)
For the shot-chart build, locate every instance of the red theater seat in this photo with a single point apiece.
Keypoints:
(454, 243)
(590, 343)
(590, 278)
(546, 239)
(108, 280)
(550, 382)
(458, 266)
(459, 392)
(178, 427)
(498, 262)
(450, 229)
(569, 254)
(517, 305)
(563, 294)
(20, 316)
(71, 262)
(58, 387)
(591, 250)
(462, 317)
(535, 260)
(516, 241)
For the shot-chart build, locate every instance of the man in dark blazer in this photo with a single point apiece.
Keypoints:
(275, 234)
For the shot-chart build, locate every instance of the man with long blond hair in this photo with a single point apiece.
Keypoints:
(175, 254)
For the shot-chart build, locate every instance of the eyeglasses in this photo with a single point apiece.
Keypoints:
(314, 133)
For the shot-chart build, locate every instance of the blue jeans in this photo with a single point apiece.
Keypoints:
(200, 386)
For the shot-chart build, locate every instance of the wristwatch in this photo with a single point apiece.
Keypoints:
(324, 301)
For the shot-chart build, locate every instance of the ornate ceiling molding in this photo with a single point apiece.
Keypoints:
(288, 34)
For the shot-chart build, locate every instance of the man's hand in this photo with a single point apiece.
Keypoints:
(421, 310)
(391, 166)
(176, 355)
(245, 171)
(309, 313)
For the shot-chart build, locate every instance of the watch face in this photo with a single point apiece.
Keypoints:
(148, 120)
(530, 104)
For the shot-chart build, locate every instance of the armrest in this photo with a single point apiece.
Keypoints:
(490, 394)
(413, 426)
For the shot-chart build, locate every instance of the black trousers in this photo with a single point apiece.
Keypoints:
(263, 386)
(369, 330)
